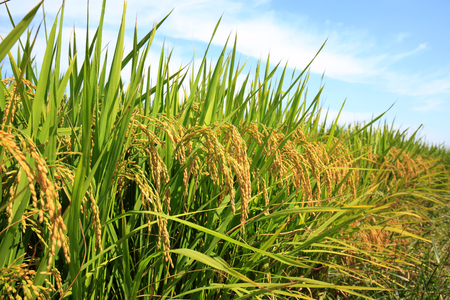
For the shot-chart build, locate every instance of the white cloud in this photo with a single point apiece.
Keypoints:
(400, 56)
(351, 55)
(346, 117)
(402, 36)
(417, 85)
(429, 105)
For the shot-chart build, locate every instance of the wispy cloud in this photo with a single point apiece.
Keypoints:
(418, 85)
(392, 66)
(429, 105)
(402, 36)
(346, 117)
(351, 55)
(403, 55)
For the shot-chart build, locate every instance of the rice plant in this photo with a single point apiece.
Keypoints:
(126, 191)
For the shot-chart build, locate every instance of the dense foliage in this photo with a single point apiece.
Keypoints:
(124, 191)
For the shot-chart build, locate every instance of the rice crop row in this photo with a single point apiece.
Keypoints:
(124, 191)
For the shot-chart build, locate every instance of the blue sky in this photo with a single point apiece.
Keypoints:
(377, 53)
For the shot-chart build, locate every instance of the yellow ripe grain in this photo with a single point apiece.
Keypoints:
(6, 140)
